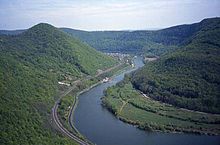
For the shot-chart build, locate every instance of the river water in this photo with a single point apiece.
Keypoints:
(101, 127)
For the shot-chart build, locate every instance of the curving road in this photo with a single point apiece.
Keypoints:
(57, 121)
(54, 110)
(63, 129)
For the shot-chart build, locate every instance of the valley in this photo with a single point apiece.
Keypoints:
(164, 82)
(186, 78)
(96, 123)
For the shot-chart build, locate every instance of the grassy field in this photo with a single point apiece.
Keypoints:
(133, 107)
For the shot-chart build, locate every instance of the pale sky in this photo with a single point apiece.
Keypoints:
(105, 14)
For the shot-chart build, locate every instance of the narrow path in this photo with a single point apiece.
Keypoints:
(109, 69)
(123, 105)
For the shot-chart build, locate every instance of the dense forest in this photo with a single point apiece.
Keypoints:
(168, 94)
(33, 61)
(136, 42)
(155, 42)
(188, 77)
(31, 64)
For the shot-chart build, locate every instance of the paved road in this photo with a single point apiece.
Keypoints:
(54, 109)
(63, 129)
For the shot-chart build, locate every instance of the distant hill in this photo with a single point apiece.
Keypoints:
(31, 64)
(190, 76)
(106, 41)
(134, 42)
(150, 42)
(140, 42)
(11, 32)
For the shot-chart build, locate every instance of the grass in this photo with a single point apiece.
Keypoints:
(149, 114)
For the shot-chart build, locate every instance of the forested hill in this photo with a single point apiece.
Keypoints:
(188, 77)
(140, 42)
(50, 48)
(106, 41)
(11, 32)
(31, 63)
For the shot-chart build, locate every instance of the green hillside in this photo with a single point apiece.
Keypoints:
(148, 42)
(156, 42)
(131, 106)
(134, 42)
(169, 94)
(188, 77)
(31, 64)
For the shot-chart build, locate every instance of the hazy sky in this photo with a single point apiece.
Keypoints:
(105, 14)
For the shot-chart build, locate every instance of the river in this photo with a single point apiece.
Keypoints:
(102, 128)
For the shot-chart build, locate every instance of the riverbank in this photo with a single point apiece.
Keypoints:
(68, 103)
(102, 127)
(151, 115)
